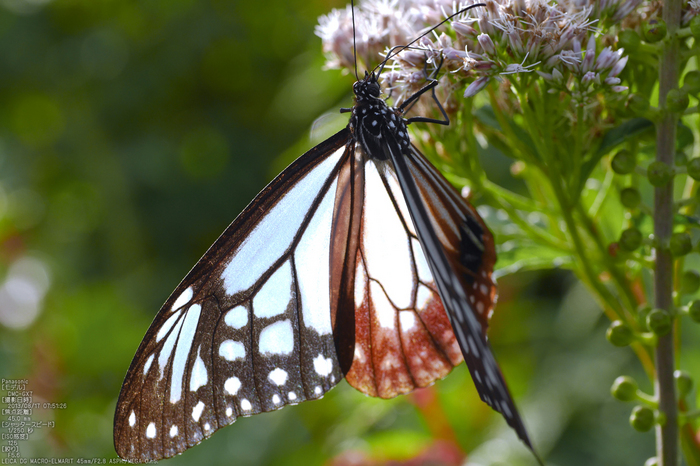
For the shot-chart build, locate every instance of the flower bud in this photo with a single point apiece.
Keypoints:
(476, 86)
(690, 281)
(642, 418)
(695, 26)
(619, 334)
(631, 239)
(659, 322)
(643, 311)
(677, 100)
(486, 44)
(618, 67)
(629, 40)
(558, 77)
(691, 80)
(681, 244)
(659, 173)
(654, 30)
(464, 29)
(623, 162)
(684, 383)
(624, 388)
(630, 198)
(694, 310)
(694, 168)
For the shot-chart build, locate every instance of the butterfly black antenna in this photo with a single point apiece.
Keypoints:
(354, 44)
(399, 48)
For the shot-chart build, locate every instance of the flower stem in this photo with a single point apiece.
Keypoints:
(666, 434)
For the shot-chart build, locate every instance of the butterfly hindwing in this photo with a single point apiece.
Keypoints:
(403, 338)
(249, 329)
(461, 255)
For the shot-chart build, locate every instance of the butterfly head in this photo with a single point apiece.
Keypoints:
(367, 89)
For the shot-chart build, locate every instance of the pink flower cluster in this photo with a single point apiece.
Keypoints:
(501, 40)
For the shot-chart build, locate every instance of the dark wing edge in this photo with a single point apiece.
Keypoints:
(412, 168)
(180, 314)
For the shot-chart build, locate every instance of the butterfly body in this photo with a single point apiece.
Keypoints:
(372, 119)
(338, 268)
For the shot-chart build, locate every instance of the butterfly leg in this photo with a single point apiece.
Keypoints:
(432, 83)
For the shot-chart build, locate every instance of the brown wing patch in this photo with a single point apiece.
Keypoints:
(397, 349)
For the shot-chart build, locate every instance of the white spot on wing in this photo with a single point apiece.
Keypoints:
(151, 430)
(421, 263)
(199, 374)
(232, 385)
(173, 431)
(313, 266)
(231, 350)
(245, 405)
(322, 365)
(277, 338)
(384, 311)
(132, 419)
(167, 326)
(184, 344)
(183, 299)
(385, 241)
(317, 390)
(278, 376)
(276, 399)
(229, 411)
(273, 298)
(237, 317)
(292, 396)
(147, 366)
(197, 411)
(407, 320)
(360, 283)
(422, 298)
(275, 232)
(167, 349)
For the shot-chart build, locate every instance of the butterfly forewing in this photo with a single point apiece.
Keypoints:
(249, 329)
(461, 257)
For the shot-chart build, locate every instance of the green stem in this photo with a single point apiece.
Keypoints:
(666, 434)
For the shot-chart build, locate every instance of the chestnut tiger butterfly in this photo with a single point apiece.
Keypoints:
(358, 261)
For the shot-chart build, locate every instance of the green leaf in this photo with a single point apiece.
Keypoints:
(520, 255)
(627, 130)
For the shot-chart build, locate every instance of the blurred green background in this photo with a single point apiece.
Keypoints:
(131, 134)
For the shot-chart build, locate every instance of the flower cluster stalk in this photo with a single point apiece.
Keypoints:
(664, 385)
